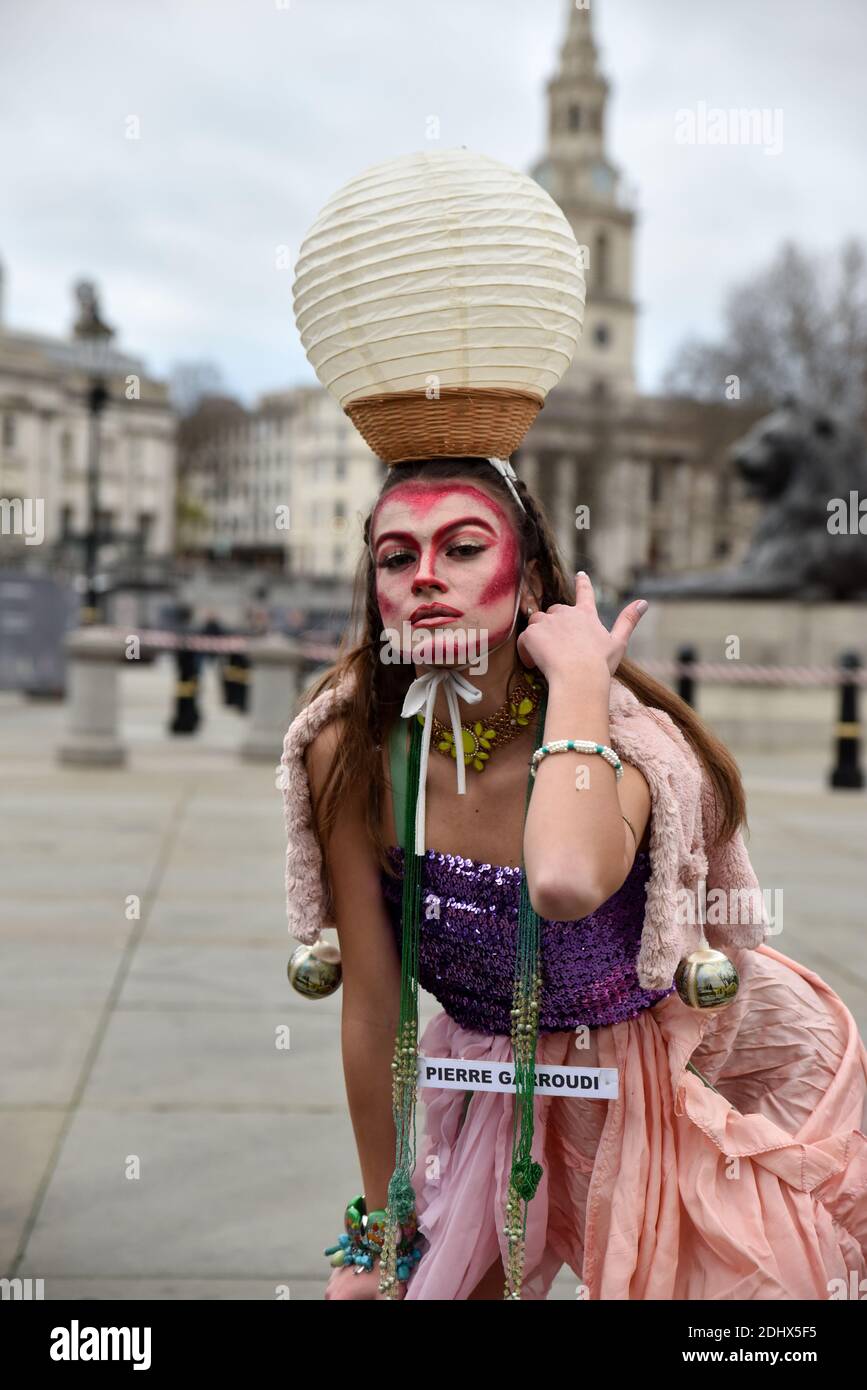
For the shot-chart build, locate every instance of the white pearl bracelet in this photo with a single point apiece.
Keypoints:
(580, 745)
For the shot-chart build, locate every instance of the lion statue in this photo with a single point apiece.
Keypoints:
(810, 470)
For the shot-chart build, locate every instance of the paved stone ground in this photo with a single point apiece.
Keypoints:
(154, 1037)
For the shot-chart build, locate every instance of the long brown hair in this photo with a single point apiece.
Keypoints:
(379, 687)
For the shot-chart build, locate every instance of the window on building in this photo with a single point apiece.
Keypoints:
(724, 490)
(600, 267)
(602, 335)
(67, 453)
(144, 528)
(656, 482)
(339, 512)
(67, 516)
(574, 117)
(9, 430)
(340, 468)
(338, 553)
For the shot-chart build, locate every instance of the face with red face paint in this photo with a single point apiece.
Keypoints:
(449, 547)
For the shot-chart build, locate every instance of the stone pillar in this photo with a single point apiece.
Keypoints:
(563, 507)
(94, 657)
(623, 521)
(277, 666)
(527, 468)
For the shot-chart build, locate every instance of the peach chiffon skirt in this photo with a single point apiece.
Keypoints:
(671, 1191)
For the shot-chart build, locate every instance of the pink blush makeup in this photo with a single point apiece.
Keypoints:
(505, 578)
(419, 497)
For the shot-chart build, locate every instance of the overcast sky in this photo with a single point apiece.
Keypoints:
(253, 112)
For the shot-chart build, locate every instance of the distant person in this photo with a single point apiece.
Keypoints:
(211, 627)
(258, 621)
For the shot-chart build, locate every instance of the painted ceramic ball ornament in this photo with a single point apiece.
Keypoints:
(315, 971)
(706, 979)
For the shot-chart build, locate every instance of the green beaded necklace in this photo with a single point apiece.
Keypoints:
(525, 1173)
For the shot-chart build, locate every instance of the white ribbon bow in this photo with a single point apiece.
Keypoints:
(422, 694)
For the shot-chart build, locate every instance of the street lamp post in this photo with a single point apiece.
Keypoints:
(91, 354)
(97, 399)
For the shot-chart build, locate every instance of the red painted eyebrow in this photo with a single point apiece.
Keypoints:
(439, 532)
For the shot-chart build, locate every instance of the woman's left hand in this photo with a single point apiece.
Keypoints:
(571, 639)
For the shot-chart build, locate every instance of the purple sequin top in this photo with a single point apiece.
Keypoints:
(468, 940)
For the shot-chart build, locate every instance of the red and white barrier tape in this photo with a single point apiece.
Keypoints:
(199, 642)
(737, 673)
(171, 641)
(716, 672)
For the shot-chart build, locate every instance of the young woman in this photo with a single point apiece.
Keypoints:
(739, 1179)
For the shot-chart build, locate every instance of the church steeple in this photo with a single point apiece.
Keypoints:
(577, 93)
(578, 174)
(578, 49)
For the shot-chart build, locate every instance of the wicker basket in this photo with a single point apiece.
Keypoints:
(461, 422)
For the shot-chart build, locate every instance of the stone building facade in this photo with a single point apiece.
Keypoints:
(285, 485)
(45, 444)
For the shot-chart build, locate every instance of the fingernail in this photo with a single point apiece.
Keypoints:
(582, 574)
(641, 605)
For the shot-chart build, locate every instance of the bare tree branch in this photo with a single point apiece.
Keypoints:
(798, 326)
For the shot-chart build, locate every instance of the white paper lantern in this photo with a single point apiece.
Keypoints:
(439, 297)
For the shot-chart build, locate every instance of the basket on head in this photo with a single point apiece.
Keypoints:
(439, 297)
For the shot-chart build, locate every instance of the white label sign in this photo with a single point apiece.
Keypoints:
(456, 1074)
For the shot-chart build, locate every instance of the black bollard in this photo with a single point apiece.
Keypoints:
(186, 719)
(686, 680)
(227, 676)
(242, 677)
(847, 770)
(236, 678)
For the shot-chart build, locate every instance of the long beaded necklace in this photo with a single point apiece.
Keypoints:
(484, 736)
(525, 1173)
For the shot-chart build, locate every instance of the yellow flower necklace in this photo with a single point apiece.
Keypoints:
(480, 738)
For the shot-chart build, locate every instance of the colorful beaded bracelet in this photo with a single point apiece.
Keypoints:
(364, 1236)
(580, 745)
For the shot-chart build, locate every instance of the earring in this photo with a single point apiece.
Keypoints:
(530, 609)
